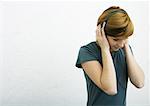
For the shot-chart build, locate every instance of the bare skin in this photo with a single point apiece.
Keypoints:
(105, 77)
(136, 74)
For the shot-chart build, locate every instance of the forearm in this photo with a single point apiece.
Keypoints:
(135, 72)
(108, 76)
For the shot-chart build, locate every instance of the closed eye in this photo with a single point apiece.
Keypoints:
(115, 39)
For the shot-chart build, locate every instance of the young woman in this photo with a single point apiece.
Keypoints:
(108, 62)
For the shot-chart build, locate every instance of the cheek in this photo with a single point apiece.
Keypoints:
(112, 43)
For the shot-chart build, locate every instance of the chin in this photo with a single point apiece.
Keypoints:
(114, 49)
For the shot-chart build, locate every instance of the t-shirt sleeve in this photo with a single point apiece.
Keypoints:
(85, 54)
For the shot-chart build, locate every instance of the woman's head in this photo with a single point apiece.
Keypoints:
(118, 23)
(118, 26)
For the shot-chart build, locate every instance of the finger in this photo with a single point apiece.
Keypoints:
(103, 32)
(104, 23)
(98, 30)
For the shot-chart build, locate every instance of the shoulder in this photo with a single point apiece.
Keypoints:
(88, 52)
(92, 46)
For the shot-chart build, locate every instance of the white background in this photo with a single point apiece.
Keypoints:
(39, 43)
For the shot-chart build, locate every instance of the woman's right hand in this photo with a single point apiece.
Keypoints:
(101, 37)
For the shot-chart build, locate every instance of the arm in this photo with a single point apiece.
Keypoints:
(104, 77)
(136, 75)
(108, 77)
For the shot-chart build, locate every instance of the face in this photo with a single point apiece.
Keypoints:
(116, 42)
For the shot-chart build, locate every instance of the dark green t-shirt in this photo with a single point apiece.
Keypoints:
(96, 97)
